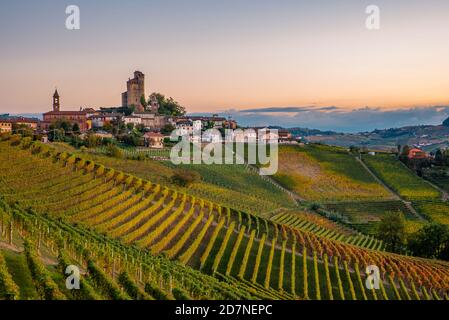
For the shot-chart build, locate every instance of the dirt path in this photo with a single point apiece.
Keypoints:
(444, 193)
(295, 197)
(393, 193)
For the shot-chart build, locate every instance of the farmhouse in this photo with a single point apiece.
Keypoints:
(5, 125)
(416, 153)
(153, 140)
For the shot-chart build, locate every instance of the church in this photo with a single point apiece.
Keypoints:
(80, 117)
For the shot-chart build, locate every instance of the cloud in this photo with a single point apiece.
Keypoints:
(339, 119)
(287, 109)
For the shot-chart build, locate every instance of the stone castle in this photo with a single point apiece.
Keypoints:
(135, 90)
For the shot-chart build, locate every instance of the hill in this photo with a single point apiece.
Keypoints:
(239, 252)
(323, 173)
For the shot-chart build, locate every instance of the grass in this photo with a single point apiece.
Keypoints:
(322, 173)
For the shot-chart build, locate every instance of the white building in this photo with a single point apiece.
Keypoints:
(132, 119)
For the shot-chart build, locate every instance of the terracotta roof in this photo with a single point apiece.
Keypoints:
(65, 113)
(19, 119)
(153, 135)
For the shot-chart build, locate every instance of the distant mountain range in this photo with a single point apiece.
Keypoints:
(427, 137)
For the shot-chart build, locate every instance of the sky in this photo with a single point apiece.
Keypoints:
(249, 58)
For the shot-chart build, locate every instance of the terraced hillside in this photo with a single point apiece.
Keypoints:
(35, 252)
(364, 216)
(325, 228)
(247, 252)
(322, 173)
(398, 177)
(231, 185)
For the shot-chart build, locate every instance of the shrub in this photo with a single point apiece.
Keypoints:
(114, 151)
(185, 178)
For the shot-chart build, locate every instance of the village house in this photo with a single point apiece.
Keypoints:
(285, 136)
(132, 119)
(152, 120)
(153, 140)
(416, 154)
(5, 125)
(98, 121)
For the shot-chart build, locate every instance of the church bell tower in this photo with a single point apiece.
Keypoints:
(56, 105)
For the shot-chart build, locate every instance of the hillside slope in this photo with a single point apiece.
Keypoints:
(240, 248)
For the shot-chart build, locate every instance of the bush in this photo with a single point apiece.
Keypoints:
(185, 178)
(114, 151)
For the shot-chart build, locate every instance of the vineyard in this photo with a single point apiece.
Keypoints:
(364, 216)
(231, 185)
(399, 178)
(136, 239)
(321, 173)
(436, 211)
(327, 229)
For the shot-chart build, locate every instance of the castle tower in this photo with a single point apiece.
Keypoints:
(135, 89)
(56, 104)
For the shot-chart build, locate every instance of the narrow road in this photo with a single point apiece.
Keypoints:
(444, 193)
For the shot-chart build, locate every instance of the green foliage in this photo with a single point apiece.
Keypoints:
(432, 241)
(168, 106)
(391, 230)
(103, 281)
(42, 278)
(155, 292)
(131, 288)
(8, 288)
(180, 294)
(113, 151)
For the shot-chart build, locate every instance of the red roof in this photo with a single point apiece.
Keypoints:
(66, 113)
(417, 153)
(153, 135)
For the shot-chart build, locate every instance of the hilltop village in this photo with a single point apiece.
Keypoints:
(137, 122)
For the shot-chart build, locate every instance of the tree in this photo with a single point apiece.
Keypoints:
(167, 129)
(92, 141)
(169, 106)
(185, 178)
(439, 158)
(403, 156)
(354, 150)
(143, 102)
(22, 129)
(432, 241)
(391, 229)
(76, 128)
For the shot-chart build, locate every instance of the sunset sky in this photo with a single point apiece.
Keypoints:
(226, 55)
